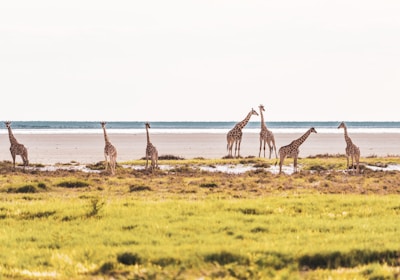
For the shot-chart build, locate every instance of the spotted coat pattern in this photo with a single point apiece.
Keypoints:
(351, 149)
(292, 150)
(234, 136)
(110, 152)
(266, 136)
(16, 148)
(151, 151)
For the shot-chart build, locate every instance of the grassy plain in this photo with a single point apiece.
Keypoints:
(185, 223)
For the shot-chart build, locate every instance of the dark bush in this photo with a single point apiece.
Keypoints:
(128, 258)
(353, 258)
(42, 186)
(139, 188)
(163, 262)
(224, 258)
(208, 185)
(249, 211)
(107, 267)
(73, 184)
(23, 189)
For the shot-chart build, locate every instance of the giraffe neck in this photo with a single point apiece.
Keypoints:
(13, 140)
(303, 138)
(347, 137)
(148, 136)
(243, 123)
(263, 126)
(105, 135)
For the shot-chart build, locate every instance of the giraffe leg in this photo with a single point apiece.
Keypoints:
(240, 140)
(295, 164)
(23, 161)
(270, 149)
(147, 161)
(281, 159)
(113, 164)
(259, 152)
(273, 143)
(13, 158)
(25, 157)
(235, 148)
(352, 163)
(229, 146)
(264, 148)
(105, 161)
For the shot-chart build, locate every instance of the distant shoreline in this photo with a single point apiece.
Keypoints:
(88, 148)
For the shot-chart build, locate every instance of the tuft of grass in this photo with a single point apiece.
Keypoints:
(106, 268)
(353, 258)
(224, 258)
(208, 185)
(73, 184)
(95, 206)
(139, 188)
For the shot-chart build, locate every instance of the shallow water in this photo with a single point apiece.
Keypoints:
(224, 168)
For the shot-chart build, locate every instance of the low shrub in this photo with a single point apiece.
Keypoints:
(73, 184)
(128, 258)
(208, 185)
(23, 189)
(224, 258)
(139, 188)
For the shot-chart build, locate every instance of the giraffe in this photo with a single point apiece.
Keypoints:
(109, 151)
(151, 151)
(292, 150)
(351, 149)
(266, 136)
(16, 148)
(234, 136)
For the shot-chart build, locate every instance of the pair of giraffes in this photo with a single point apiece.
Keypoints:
(110, 152)
(234, 136)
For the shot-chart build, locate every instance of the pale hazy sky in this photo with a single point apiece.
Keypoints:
(199, 60)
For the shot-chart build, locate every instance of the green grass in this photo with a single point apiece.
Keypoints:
(267, 235)
(192, 224)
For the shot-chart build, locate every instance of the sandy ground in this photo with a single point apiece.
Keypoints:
(88, 148)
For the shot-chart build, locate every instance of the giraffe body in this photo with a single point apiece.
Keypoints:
(234, 136)
(266, 136)
(292, 150)
(110, 152)
(351, 149)
(151, 151)
(16, 148)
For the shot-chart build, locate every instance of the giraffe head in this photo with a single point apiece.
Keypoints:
(254, 112)
(312, 129)
(261, 107)
(342, 125)
(8, 124)
(103, 124)
(147, 125)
